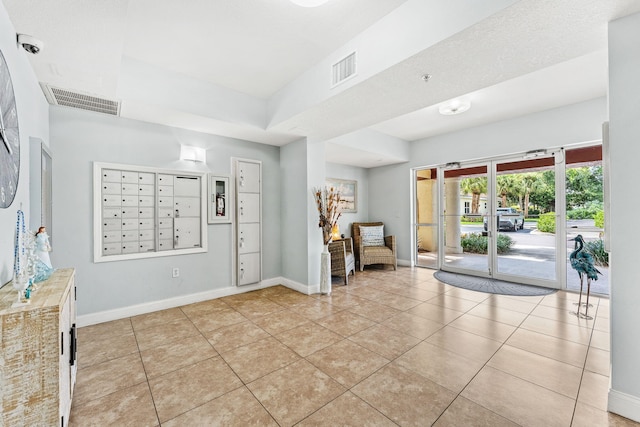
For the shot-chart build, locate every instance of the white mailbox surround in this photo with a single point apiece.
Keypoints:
(153, 219)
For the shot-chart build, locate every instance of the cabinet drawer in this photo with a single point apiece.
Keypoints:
(130, 177)
(248, 268)
(111, 200)
(146, 234)
(129, 212)
(146, 246)
(146, 178)
(165, 234)
(129, 201)
(146, 201)
(165, 190)
(130, 247)
(164, 179)
(129, 223)
(165, 202)
(111, 249)
(111, 213)
(111, 224)
(130, 236)
(146, 223)
(248, 238)
(186, 233)
(248, 207)
(129, 189)
(111, 236)
(145, 190)
(146, 212)
(165, 212)
(248, 177)
(186, 206)
(110, 175)
(165, 244)
(111, 187)
(186, 186)
(165, 223)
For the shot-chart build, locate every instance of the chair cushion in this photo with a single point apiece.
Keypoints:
(372, 251)
(372, 235)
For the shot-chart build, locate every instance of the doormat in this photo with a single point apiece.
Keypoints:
(490, 286)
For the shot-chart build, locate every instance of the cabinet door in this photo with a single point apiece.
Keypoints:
(112, 248)
(146, 201)
(145, 223)
(186, 233)
(130, 235)
(111, 236)
(130, 201)
(111, 200)
(248, 268)
(111, 213)
(165, 191)
(129, 223)
(145, 190)
(145, 212)
(165, 244)
(111, 224)
(129, 189)
(111, 188)
(110, 175)
(129, 212)
(65, 357)
(186, 186)
(248, 207)
(248, 177)
(164, 179)
(130, 177)
(146, 178)
(186, 206)
(248, 238)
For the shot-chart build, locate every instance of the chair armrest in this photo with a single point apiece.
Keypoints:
(337, 248)
(348, 244)
(390, 242)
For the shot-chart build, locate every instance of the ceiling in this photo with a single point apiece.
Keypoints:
(259, 69)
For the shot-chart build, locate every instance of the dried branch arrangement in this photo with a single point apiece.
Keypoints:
(327, 203)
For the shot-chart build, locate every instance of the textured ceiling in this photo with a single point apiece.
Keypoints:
(255, 69)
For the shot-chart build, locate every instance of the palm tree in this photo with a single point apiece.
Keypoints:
(506, 187)
(530, 182)
(476, 187)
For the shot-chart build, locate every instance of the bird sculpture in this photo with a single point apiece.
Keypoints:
(583, 263)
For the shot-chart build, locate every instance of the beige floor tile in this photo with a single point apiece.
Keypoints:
(308, 338)
(161, 334)
(234, 300)
(602, 324)
(549, 346)
(484, 327)
(467, 294)
(348, 410)
(594, 390)
(102, 349)
(374, 311)
(291, 299)
(176, 354)
(131, 406)
(257, 359)
(180, 391)
(103, 330)
(314, 309)
(588, 416)
(463, 412)
(276, 291)
(258, 307)
(234, 336)
(436, 313)
(562, 315)
(601, 340)
(204, 307)
(157, 318)
(107, 377)
(347, 362)
(280, 321)
(294, 392)
(518, 400)
(415, 293)
(464, 343)
(237, 408)
(222, 318)
(342, 299)
(345, 323)
(556, 329)
(446, 368)
(398, 302)
(498, 314)
(543, 371)
(434, 286)
(402, 396)
(513, 304)
(454, 303)
(385, 341)
(598, 361)
(415, 326)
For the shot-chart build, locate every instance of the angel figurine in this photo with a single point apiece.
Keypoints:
(43, 247)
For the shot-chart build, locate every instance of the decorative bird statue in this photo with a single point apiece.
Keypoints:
(583, 263)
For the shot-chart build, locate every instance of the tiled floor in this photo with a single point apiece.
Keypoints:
(392, 348)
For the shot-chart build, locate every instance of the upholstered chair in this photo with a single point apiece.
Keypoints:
(343, 260)
(371, 246)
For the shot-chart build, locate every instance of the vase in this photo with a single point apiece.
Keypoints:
(325, 271)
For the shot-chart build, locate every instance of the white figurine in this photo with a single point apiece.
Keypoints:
(43, 247)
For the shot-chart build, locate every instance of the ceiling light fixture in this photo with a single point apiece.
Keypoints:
(457, 106)
(309, 3)
(534, 153)
(194, 154)
(426, 77)
(452, 165)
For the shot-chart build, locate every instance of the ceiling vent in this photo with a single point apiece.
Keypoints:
(343, 69)
(67, 98)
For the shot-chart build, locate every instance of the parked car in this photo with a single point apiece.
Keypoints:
(507, 219)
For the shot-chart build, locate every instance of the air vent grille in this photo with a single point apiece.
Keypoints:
(344, 69)
(67, 98)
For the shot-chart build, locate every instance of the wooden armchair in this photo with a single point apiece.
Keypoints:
(343, 260)
(367, 254)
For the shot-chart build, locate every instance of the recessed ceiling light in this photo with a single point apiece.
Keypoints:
(426, 77)
(309, 3)
(457, 106)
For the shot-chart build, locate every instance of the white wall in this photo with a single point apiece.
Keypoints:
(78, 138)
(360, 175)
(624, 137)
(33, 122)
(390, 186)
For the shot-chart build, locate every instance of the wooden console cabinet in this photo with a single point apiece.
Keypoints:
(37, 354)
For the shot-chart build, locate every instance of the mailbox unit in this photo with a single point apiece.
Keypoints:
(248, 184)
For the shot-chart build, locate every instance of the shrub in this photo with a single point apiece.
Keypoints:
(596, 249)
(599, 218)
(476, 243)
(547, 222)
(534, 212)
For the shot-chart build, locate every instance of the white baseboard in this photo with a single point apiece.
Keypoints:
(134, 310)
(624, 404)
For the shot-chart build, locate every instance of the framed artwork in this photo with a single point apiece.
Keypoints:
(348, 193)
(218, 199)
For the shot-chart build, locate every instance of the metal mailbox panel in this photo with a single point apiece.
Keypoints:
(248, 238)
(248, 207)
(186, 233)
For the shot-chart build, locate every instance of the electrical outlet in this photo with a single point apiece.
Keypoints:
(175, 272)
